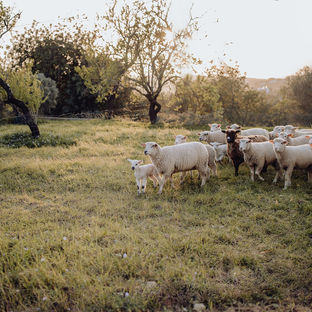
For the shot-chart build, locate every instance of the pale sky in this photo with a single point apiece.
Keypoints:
(268, 38)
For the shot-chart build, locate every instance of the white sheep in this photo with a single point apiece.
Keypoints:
(296, 133)
(290, 157)
(257, 155)
(221, 150)
(211, 154)
(251, 131)
(178, 158)
(276, 131)
(209, 136)
(142, 172)
(215, 127)
(303, 139)
(180, 138)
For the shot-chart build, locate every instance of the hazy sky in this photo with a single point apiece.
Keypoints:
(268, 38)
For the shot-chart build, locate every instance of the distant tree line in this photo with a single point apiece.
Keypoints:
(68, 69)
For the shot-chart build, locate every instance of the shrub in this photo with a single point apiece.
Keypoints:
(20, 139)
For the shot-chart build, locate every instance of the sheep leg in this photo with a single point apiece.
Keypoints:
(259, 169)
(213, 167)
(144, 181)
(236, 166)
(162, 182)
(279, 174)
(310, 176)
(138, 182)
(252, 173)
(288, 174)
(182, 177)
(155, 180)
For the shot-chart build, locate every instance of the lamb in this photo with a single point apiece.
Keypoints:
(233, 146)
(141, 174)
(221, 150)
(258, 155)
(276, 131)
(296, 133)
(215, 127)
(209, 136)
(290, 157)
(251, 131)
(303, 139)
(178, 158)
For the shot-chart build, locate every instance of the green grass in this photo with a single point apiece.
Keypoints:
(69, 214)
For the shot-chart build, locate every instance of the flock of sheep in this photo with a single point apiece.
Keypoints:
(285, 148)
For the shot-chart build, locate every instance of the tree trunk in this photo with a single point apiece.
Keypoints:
(23, 108)
(154, 109)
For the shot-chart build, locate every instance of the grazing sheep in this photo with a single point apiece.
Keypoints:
(293, 157)
(233, 146)
(215, 127)
(221, 150)
(209, 136)
(303, 139)
(276, 131)
(178, 158)
(296, 133)
(258, 155)
(141, 174)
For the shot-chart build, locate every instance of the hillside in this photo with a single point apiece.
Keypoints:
(272, 85)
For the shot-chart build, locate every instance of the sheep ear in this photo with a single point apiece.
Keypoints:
(198, 133)
(285, 142)
(129, 160)
(228, 127)
(307, 136)
(237, 131)
(155, 145)
(271, 141)
(311, 145)
(143, 144)
(224, 131)
(209, 125)
(140, 162)
(185, 137)
(219, 125)
(290, 135)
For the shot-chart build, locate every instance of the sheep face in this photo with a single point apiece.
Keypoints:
(180, 139)
(279, 145)
(244, 145)
(290, 130)
(231, 135)
(135, 163)
(151, 148)
(203, 136)
(276, 131)
(283, 135)
(214, 127)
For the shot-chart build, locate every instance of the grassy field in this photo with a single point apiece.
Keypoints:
(75, 236)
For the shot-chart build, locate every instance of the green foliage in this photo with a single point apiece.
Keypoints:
(56, 51)
(21, 139)
(50, 94)
(197, 95)
(25, 86)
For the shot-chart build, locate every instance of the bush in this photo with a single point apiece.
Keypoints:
(20, 139)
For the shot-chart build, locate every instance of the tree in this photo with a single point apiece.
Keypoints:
(300, 86)
(197, 95)
(149, 51)
(55, 51)
(8, 20)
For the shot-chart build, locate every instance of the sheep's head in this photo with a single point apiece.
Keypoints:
(234, 127)
(310, 139)
(203, 136)
(214, 127)
(279, 145)
(135, 163)
(244, 144)
(180, 139)
(231, 135)
(151, 148)
(283, 135)
(290, 129)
